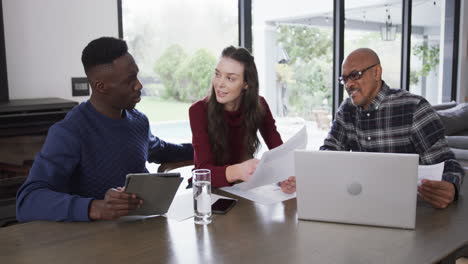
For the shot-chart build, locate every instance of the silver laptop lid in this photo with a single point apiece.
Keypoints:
(357, 187)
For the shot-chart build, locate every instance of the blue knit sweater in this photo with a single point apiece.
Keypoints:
(83, 156)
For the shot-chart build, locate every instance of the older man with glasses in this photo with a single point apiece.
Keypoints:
(376, 118)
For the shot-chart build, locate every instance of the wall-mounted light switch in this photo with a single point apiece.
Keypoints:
(80, 86)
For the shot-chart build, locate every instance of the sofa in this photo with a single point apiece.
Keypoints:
(455, 119)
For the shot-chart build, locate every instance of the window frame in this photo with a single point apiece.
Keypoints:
(245, 40)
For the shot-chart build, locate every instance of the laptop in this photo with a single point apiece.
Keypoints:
(378, 189)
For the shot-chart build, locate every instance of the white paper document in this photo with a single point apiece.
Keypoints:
(430, 172)
(277, 164)
(182, 205)
(266, 195)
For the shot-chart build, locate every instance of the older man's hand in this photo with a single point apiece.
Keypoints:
(289, 185)
(438, 193)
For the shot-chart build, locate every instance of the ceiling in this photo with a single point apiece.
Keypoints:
(371, 14)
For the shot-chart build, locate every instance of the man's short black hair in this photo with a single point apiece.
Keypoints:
(103, 50)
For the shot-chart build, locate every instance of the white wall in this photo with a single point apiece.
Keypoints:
(463, 57)
(44, 40)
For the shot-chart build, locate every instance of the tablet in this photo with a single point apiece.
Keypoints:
(156, 189)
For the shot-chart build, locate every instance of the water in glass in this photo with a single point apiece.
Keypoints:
(202, 196)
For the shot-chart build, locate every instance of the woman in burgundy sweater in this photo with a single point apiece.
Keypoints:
(225, 124)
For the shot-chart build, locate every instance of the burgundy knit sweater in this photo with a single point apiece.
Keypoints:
(203, 156)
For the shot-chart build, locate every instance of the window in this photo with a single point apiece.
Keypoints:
(431, 75)
(376, 25)
(293, 49)
(176, 45)
(292, 42)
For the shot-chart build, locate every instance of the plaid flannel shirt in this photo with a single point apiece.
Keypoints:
(395, 122)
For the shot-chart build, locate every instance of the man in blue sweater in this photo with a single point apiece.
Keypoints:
(78, 173)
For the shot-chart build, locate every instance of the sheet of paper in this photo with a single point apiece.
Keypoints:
(182, 206)
(277, 164)
(430, 172)
(266, 195)
(132, 218)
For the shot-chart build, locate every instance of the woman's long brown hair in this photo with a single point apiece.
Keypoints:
(250, 106)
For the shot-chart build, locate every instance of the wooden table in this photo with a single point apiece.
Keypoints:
(249, 233)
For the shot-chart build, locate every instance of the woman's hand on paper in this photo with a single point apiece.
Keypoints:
(241, 171)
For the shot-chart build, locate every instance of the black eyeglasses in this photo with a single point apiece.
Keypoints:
(354, 75)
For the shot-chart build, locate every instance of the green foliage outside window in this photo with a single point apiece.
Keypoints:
(308, 73)
(185, 78)
(429, 55)
(166, 66)
(194, 76)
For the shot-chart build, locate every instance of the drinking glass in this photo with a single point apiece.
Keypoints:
(202, 196)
